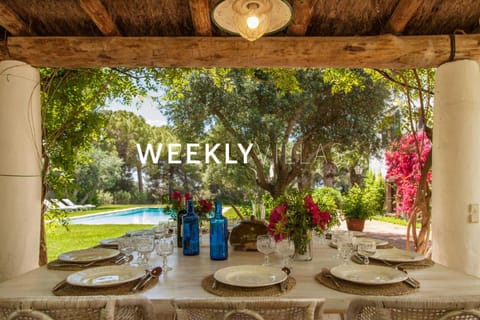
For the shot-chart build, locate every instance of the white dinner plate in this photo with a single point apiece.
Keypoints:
(105, 276)
(397, 255)
(109, 242)
(368, 274)
(88, 255)
(250, 276)
(378, 242)
(358, 233)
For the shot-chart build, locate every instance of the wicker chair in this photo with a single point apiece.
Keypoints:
(76, 308)
(248, 309)
(459, 308)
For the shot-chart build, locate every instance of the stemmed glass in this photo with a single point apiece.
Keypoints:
(145, 244)
(164, 249)
(126, 246)
(265, 245)
(366, 248)
(285, 249)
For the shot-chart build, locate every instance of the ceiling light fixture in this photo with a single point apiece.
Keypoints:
(252, 18)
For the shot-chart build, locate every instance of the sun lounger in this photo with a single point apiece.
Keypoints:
(62, 206)
(70, 203)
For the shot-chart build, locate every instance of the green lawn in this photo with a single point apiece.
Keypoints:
(82, 236)
(394, 220)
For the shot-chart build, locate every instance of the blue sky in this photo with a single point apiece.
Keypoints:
(147, 110)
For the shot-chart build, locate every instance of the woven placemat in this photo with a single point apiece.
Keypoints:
(123, 289)
(225, 290)
(421, 264)
(395, 289)
(70, 266)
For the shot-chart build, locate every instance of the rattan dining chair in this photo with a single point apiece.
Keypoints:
(248, 309)
(440, 308)
(76, 308)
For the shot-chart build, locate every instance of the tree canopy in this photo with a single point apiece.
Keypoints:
(291, 126)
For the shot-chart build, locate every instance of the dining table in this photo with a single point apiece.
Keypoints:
(185, 278)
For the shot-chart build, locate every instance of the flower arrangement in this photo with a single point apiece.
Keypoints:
(295, 217)
(178, 201)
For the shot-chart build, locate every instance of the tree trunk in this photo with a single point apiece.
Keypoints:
(355, 179)
(329, 173)
(42, 256)
(421, 208)
(140, 178)
(305, 180)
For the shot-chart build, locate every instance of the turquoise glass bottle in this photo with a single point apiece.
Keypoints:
(218, 234)
(191, 232)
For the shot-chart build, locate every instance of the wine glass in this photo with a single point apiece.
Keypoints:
(145, 244)
(126, 246)
(265, 245)
(164, 249)
(366, 248)
(286, 249)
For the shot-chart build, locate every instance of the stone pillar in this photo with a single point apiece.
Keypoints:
(456, 166)
(20, 168)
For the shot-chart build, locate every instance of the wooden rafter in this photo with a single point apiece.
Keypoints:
(11, 22)
(402, 14)
(200, 12)
(99, 14)
(303, 10)
(3, 51)
(387, 51)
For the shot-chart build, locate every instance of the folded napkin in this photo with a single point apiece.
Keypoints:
(75, 266)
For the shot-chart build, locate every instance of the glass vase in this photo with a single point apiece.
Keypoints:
(303, 246)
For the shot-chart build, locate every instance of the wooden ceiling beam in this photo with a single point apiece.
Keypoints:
(386, 51)
(402, 14)
(200, 12)
(11, 22)
(100, 16)
(4, 51)
(302, 14)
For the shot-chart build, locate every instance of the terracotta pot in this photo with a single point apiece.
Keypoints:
(354, 224)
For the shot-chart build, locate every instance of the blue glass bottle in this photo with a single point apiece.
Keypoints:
(191, 232)
(218, 234)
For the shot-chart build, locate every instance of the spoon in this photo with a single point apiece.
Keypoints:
(154, 273)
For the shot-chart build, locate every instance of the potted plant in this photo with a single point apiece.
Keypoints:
(354, 210)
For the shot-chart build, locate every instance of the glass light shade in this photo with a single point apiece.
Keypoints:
(252, 17)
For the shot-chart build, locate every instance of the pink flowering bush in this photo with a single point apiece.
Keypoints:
(404, 167)
(296, 216)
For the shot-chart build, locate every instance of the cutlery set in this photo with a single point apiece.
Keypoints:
(149, 276)
(414, 283)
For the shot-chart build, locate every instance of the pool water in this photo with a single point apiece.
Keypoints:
(132, 216)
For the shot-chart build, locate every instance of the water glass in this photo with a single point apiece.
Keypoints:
(266, 245)
(164, 248)
(366, 248)
(145, 244)
(345, 245)
(285, 249)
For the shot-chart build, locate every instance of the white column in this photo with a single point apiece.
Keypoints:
(20, 168)
(456, 166)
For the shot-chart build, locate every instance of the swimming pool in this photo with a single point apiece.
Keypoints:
(131, 216)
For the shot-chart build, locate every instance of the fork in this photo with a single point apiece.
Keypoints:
(330, 276)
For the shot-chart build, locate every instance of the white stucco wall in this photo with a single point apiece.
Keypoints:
(456, 166)
(20, 168)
